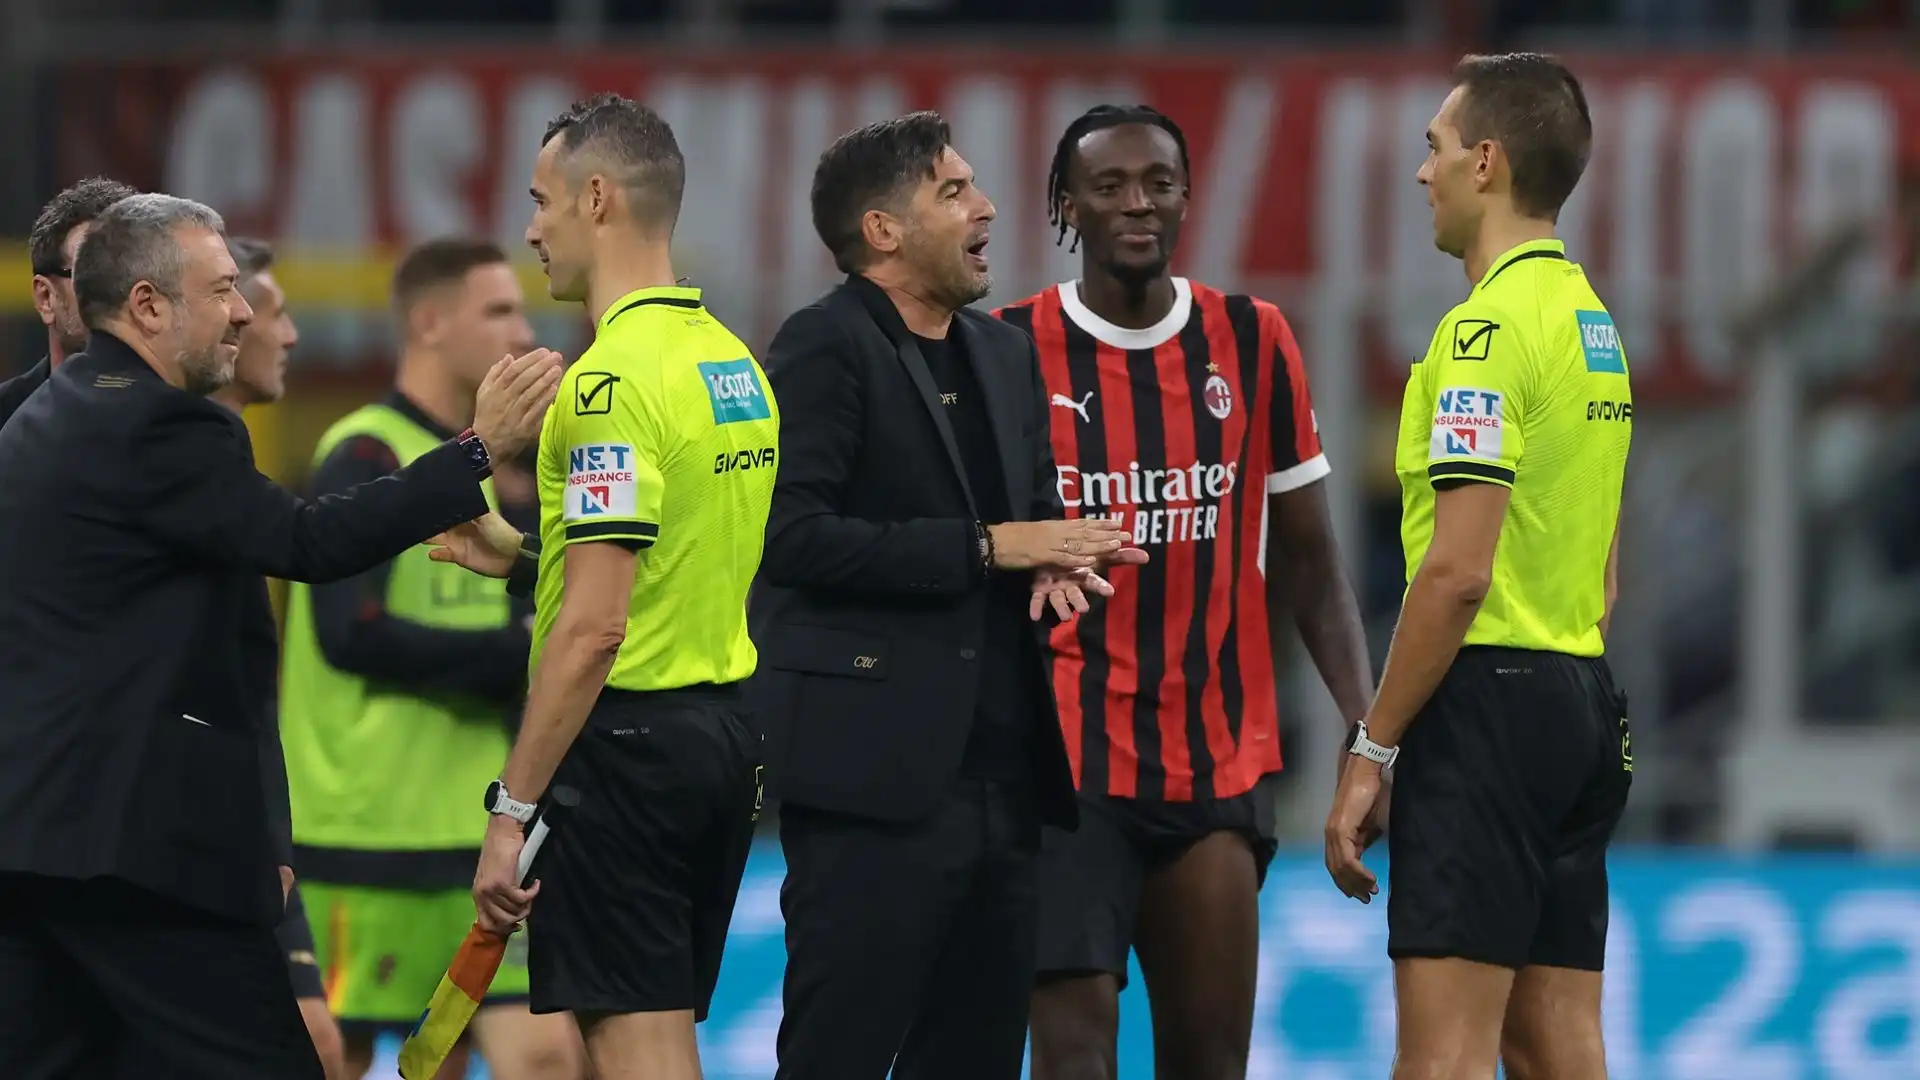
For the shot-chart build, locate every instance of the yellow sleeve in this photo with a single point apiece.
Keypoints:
(1481, 376)
(608, 426)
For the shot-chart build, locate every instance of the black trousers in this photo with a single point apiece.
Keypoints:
(913, 942)
(100, 980)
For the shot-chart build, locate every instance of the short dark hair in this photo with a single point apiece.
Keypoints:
(252, 255)
(441, 261)
(1534, 108)
(870, 168)
(1099, 118)
(635, 138)
(76, 206)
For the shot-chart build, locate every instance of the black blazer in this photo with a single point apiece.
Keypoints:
(135, 638)
(870, 608)
(15, 391)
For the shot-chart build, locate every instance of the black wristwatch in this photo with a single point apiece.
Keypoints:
(477, 455)
(526, 567)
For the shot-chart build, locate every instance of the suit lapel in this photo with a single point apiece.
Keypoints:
(880, 306)
(1001, 417)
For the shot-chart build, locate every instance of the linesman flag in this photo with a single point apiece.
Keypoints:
(465, 984)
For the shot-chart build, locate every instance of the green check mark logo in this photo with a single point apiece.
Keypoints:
(593, 393)
(1473, 338)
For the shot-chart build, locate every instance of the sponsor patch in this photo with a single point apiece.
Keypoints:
(1472, 338)
(1467, 423)
(1601, 342)
(600, 482)
(734, 388)
(593, 393)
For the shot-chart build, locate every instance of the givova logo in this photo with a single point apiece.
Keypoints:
(733, 386)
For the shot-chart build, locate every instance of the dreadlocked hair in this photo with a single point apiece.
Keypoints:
(1099, 118)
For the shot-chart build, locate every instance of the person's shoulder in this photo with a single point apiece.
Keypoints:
(1021, 312)
(1238, 306)
(1481, 327)
(827, 327)
(994, 329)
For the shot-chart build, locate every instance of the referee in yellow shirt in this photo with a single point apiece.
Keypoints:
(1496, 712)
(656, 471)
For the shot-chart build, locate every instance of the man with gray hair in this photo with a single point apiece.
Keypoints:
(137, 871)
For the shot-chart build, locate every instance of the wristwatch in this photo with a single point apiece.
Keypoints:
(1361, 746)
(526, 567)
(499, 802)
(477, 455)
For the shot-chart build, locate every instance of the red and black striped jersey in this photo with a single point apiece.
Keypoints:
(1166, 691)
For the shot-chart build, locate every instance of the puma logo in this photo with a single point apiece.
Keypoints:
(1080, 406)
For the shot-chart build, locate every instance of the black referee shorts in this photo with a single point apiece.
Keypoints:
(1091, 878)
(638, 887)
(1505, 796)
(295, 935)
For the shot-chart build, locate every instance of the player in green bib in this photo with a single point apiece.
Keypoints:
(656, 474)
(1496, 711)
(396, 696)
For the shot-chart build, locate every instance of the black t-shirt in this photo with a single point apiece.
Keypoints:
(1006, 717)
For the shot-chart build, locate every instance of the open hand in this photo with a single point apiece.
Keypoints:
(1071, 544)
(1065, 591)
(513, 401)
(487, 545)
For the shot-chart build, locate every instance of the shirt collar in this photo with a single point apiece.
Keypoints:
(679, 296)
(1532, 249)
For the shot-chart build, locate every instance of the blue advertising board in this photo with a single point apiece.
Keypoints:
(1719, 968)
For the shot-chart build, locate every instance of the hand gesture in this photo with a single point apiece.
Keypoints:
(486, 545)
(1351, 829)
(499, 903)
(1076, 544)
(1065, 591)
(513, 401)
(286, 884)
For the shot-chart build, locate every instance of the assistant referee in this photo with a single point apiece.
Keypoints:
(1496, 710)
(656, 472)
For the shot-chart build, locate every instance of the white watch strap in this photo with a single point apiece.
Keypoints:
(1373, 751)
(509, 806)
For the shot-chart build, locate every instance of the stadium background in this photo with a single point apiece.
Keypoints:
(1750, 215)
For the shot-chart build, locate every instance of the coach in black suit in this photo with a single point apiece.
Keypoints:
(137, 867)
(914, 536)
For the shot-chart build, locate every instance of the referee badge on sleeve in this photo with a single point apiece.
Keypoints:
(1467, 423)
(1473, 338)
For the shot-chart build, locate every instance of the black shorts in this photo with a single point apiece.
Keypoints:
(1506, 794)
(637, 888)
(1090, 879)
(296, 940)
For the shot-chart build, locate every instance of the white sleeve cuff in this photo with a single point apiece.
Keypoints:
(1314, 468)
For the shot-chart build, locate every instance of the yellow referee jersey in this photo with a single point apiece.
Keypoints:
(662, 438)
(1525, 384)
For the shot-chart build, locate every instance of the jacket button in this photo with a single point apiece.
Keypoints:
(966, 654)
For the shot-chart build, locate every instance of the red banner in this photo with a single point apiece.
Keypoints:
(1708, 175)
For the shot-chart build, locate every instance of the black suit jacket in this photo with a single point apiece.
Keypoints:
(870, 608)
(136, 662)
(15, 391)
